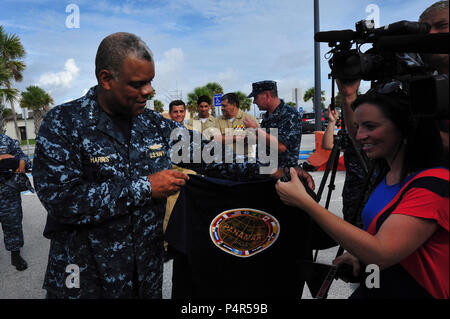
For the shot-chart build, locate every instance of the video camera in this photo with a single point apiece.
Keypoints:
(386, 60)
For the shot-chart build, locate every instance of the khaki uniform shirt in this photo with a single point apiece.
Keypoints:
(238, 127)
(172, 199)
(210, 122)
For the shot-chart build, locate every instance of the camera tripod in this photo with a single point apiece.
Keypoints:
(341, 141)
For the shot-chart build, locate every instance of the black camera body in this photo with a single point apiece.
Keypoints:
(370, 66)
(386, 61)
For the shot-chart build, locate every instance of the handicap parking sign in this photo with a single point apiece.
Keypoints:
(217, 100)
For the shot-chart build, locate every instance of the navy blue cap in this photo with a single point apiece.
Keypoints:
(262, 86)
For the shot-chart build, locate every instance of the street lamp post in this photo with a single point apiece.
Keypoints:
(318, 89)
(24, 113)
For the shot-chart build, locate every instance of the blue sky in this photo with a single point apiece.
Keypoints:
(232, 42)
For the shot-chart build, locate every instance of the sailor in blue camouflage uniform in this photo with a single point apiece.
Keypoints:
(281, 116)
(102, 170)
(12, 161)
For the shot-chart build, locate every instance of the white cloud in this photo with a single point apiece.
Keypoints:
(63, 78)
(227, 79)
(170, 74)
(172, 60)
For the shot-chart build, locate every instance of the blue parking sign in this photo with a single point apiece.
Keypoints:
(217, 100)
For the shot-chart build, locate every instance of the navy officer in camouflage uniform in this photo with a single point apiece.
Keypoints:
(281, 116)
(12, 161)
(102, 170)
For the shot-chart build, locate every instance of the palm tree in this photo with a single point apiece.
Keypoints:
(3, 78)
(310, 95)
(159, 106)
(156, 103)
(244, 101)
(6, 94)
(151, 96)
(2, 118)
(292, 104)
(11, 52)
(39, 101)
(214, 87)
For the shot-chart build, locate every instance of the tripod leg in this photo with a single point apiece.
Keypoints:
(315, 255)
(334, 153)
(332, 186)
(339, 252)
(333, 161)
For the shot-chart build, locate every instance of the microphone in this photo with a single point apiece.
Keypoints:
(398, 28)
(418, 43)
(335, 36)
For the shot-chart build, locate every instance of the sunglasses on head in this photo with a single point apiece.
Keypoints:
(387, 88)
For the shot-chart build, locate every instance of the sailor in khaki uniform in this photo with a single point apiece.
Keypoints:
(232, 123)
(203, 121)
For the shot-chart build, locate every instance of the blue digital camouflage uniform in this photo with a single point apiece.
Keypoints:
(288, 121)
(101, 214)
(10, 201)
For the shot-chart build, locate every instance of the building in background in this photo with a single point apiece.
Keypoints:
(11, 132)
(296, 97)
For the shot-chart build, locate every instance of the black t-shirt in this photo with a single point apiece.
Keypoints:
(236, 240)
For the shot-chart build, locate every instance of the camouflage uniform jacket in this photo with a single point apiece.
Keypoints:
(288, 121)
(95, 188)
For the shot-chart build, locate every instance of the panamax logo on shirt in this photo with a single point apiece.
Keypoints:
(244, 232)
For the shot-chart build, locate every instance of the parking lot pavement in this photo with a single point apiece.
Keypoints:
(28, 284)
(339, 289)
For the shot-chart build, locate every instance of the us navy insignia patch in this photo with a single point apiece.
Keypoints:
(244, 232)
(155, 151)
(155, 147)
